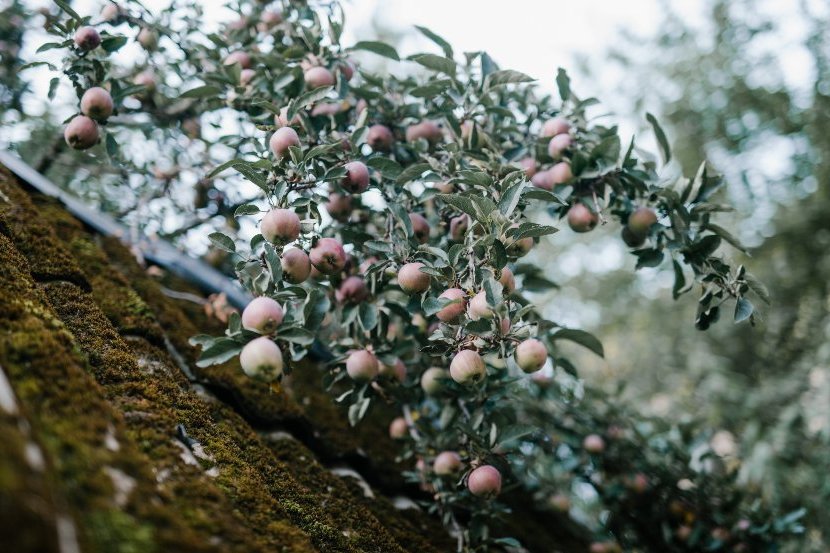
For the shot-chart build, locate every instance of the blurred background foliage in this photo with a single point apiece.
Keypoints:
(722, 94)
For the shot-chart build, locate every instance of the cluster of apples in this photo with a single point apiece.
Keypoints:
(82, 131)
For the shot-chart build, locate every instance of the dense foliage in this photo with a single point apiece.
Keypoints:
(391, 216)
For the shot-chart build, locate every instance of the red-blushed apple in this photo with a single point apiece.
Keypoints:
(296, 267)
(446, 463)
(380, 138)
(261, 358)
(242, 58)
(87, 38)
(81, 133)
(315, 77)
(529, 166)
(97, 103)
(504, 326)
(398, 429)
(593, 443)
(641, 220)
(327, 109)
(411, 279)
(246, 76)
(111, 12)
(339, 206)
(346, 68)
(281, 119)
(458, 227)
(507, 281)
(262, 315)
(454, 310)
(362, 365)
(396, 370)
(531, 355)
(352, 290)
(543, 180)
(280, 226)
(479, 308)
(561, 173)
(282, 139)
(148, 39)
(428, 130)
(433, 379)
(559, 144)
(638, 483)
(560, 502)
(581, 218)
(420, 227)
(484, 481)
(328, 256)
(146, 79)
(467, 367)
(269, 19)
(518, 248)
(557, 125)
(357, 177)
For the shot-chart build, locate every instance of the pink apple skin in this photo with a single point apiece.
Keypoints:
(81, 133)
(454, 310)
(328, 256)
(485, 481)
(262, 315)
(412, 280)
(280, 226)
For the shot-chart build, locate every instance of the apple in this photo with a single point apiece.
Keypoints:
(328, 256)
(581, 218)
(398, 429)
(507, 281)
(484, 481)
(315, 77)
(561, 173)
(339, 206)
(296, 267)
(559, 144)
(380, 138)
(81, 133)
(427, 130)
(467, 367)
(479, 308)
(641, 220)
(396, 370)
(420, 227)
(411, 279)
(557, 125)
(362, 365)
(148, 39)
(458, 227)
(280, 226)
(261, 358)
(282, 139)
(357, 177)
(543, 180)
(246, 76)
(262, 315)
(531, 355)
(529, 166)
(446, 463)
(432, 381)
(352, 290)
(87, 38)
(240, 57)
(593, 443)
(560, 502)
(454, 310)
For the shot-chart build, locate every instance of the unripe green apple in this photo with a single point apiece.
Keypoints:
(282, 139)
(280, 226)
(87, 38)
(380, 138)
(454, 310)
(261, 358)
(97, 103)
(641, 220)
(316, 77)
(357, 177)
(432, 381)
(484, 481)
(412, 280)
(531, 355)
(446, 463)
(479, 308)
(362, 365)
(398, 429)
(420, 227)
(467, 367)
(296, 267)
(262, 315)
(581, 218)
(81, 133)
(328, 256)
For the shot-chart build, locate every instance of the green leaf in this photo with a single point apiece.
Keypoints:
(532, 230)
(510, 198)
(222, 350)
(412, 172)
(665, 150)
(723, 233)
(112, 43)
(53, 87)
(112, 145)
(51, 45)
(222, 241)
(436, 63)
(389, 168)
(246, 209)
(563, 82)
(377, 47)
(679, 280)
(296, 335)
(65, 7)
(307, 99)
(535, 193)
(228, 164)
(202, 91)
(580, 337)
(461, 203)
(443, 44)
(506, 76)
(368, 316)
(743, 310)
